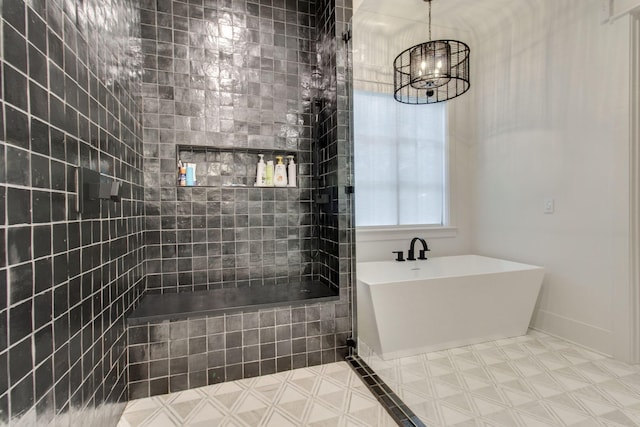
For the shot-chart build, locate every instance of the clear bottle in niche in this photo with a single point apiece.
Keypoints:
(268, 174)
(280, 173)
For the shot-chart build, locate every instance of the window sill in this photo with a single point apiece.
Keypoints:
(404, 232)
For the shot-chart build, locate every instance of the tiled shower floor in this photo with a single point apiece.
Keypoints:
(533, 380)
(328, 395)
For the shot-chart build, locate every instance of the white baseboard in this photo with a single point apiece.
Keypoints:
(589, 336)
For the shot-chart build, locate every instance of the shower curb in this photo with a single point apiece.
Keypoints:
(391, 402)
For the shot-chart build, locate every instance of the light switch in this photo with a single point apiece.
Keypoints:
(549, 206)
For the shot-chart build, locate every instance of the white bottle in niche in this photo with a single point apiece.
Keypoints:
(280, 173)
(260, 172)
(291, 172)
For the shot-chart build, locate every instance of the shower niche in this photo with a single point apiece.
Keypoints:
(231, 167)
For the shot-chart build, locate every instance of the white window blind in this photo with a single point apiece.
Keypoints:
(399, 161)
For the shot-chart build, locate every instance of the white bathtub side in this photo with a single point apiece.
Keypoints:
(367, 323)
(412, 317)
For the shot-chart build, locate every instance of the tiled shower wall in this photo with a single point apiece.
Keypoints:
(172, 356)
(230, 75)
(337, 237)
(70, 85)
(70, 78)
(175, 355)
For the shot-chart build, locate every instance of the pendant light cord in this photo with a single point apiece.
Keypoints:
(429, 20)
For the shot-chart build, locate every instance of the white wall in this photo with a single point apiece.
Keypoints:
(551, 90)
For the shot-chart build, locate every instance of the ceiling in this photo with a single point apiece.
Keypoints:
(384, 28)
(390, 16)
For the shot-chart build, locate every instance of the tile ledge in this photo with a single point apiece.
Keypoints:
(186, 305)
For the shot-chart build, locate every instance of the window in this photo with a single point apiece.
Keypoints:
(400, 161)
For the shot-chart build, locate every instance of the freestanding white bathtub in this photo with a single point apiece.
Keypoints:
(412, 307)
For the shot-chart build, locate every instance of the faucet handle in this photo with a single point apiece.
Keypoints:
(421, 256)
(400, 255)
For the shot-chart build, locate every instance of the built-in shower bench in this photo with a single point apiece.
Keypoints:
(185, 305)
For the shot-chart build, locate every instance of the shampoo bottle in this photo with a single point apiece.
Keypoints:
(268, 180)
(291, 172)
(280, 174)
(191, 174)
(260, 172)
(182, 174)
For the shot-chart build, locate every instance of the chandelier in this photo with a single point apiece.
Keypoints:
(430, 72)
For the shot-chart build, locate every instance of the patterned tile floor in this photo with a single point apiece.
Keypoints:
(533, 380)
(530, 381)
(328, 395)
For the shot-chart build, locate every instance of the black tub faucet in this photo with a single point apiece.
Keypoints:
(411, 254)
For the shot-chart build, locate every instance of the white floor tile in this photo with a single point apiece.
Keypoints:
(533, 380)
(327, 395)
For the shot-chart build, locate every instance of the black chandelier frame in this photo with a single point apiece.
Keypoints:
(458, 82)
(430, 72)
